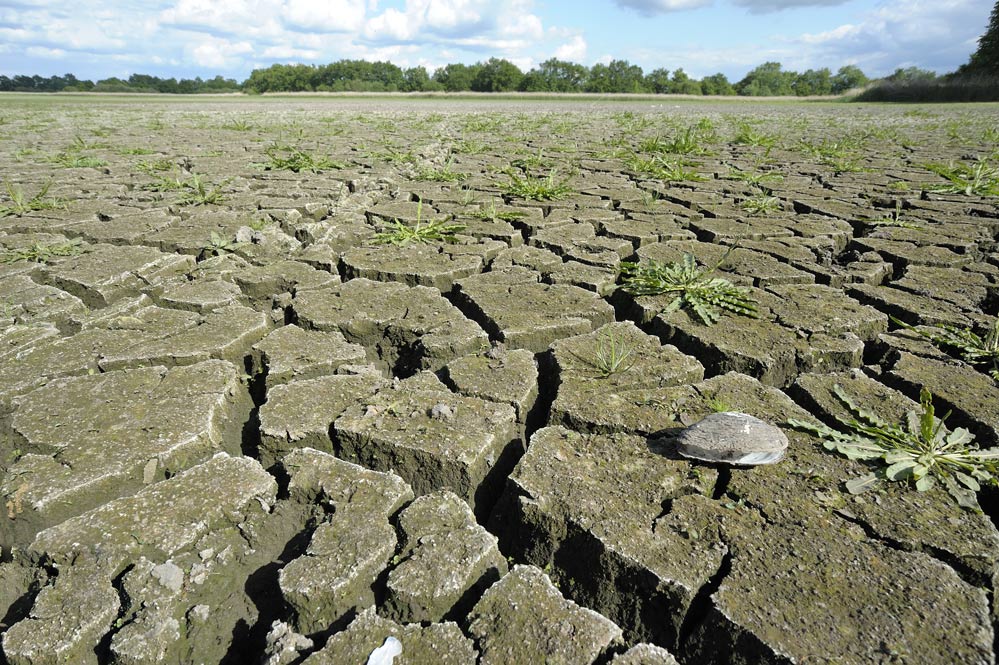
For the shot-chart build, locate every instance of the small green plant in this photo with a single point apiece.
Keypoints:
(662, 168)
(135, 151)
(440, 174)
(72, 160)
(762, 204)
(153, 166)
(20, 203)
(979, 179)
(973, 349)
(41, 252)
(490, 214)
(403, 234)
(238, 125)
(537, 189)
(687, 142)
(537, 161)
(288, 158)
(747, 134)
(260, 224)
(612, 356)
(197, 193)
(692, 285)
(217, 244)
(921, 451)
(755, 178)
(893, 218)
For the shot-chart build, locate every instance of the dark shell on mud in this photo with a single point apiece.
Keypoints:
(732, 438)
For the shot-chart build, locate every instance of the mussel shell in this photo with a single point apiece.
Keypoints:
(732, 438)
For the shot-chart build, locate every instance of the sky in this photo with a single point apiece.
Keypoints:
(96, 39)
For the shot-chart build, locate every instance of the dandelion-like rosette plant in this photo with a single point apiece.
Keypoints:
(920, 451)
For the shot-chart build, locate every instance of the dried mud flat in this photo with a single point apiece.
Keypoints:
(235, 428)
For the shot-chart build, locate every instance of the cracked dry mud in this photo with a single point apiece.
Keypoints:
(246, 432)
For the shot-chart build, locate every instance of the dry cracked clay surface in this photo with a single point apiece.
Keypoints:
(324, 380)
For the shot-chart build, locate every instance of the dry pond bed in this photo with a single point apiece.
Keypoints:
(304, 380)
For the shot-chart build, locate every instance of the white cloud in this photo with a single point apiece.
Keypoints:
(937, 35)
(325, 15)
(573, 50)
(43, 52)
(765, 6)
(653, 7)
(218, 54)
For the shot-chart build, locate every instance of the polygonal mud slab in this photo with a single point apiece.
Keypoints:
(579, 242)
(608, 380)
(24, 301)
(165, 518)
(645, 654)
(200, 296)
(972, 395)
(261, 283)
(508, 377)
(930, 522)
(442, 643)
(447, 561)
(109, 273)
(407, 328)
(831, 594)
(226, 333)
(300, 414)
(128, 429)
(67, 620)
(350, 549)
(434, 439)
(793, 332)
(524, 619)
(414, 264)
(291, 354)
(516, 309)
(911, 308)
(589, 508)
(743, 266)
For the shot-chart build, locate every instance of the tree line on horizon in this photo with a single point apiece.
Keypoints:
(492, 75)
(976, 80)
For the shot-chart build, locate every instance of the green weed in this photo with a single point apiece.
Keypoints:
(41, 252)
(403, 234)
(288, 158)
(920, 451)
(978, 179)
(762, 204)
(197, 193)
(20, 203)
(440, 174)
(693, 287)
(963, 342)
(537, 189)
(662, 168)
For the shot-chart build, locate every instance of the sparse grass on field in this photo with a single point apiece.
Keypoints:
(663, 168)
(756, 177)
(978, 179)
(443, 173)
(20, 203)
(469, 147)
(69, 160)
(296, 160)
(921, 451)
(612, 356)
(689, 141)
(238, 125)
(198, 193)
(965, 343)
(135, 151)
(693, 287)
(153, 166)
(748, 134)
(423, 231)
(42, 252)
(533, 188)
(895, 217)
(763, 203)
(538, 161)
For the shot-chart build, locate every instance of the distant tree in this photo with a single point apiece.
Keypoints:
(682, 84)
(717, 84)
(848, 78)
(657, 81)
(554, 75)
(767, 80)
(813, 82)
(985, 60)
(415, 79)
(911, 75)
(497, 75)
(616, 76)
(456, 77)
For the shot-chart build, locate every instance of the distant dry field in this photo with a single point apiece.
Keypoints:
(312, 379)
